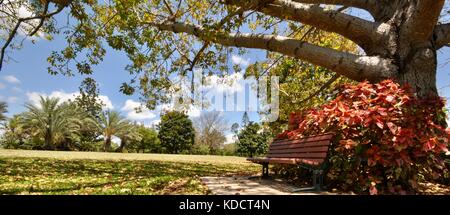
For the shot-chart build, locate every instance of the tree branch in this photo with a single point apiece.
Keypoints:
(322, 88)
(13, 33)
(41, 21)
(168, 8)
(360, 31)
(369, 5)
(353, 66)
(419, 27)
(442, 35)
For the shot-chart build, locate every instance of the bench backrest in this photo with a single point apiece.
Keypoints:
(312, 148)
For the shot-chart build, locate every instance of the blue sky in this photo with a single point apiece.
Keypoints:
(25, 78)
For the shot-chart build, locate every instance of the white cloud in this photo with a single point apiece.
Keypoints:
(192, 112)
(240, 61)
(228, 84)
(155, 122)
(11, 79)
(2, 86)
(231, 89)
(144, 113)
(106, 102)
(230, 138)
(34, 97)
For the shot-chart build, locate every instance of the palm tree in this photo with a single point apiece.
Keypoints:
(55, 123)
(15, 135)
(130, 134)
(112, 123)
(3, 110)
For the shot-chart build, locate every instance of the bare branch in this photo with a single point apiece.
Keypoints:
(360, 31)
(353, 66)
(442, 34)
(198, 56)
(419, 27)
(41, 22)
(168, 8)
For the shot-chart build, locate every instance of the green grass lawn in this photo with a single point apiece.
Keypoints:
(50, 172)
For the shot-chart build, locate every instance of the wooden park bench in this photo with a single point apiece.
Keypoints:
(308, 152)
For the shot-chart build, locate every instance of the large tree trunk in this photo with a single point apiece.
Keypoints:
(49, 141)
(419, 73)
(411, 45)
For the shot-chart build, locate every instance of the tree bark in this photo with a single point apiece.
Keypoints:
(419, 72)
(356, 67)
(107, 146)
(48, 139)
(412, 46)
(361, 31)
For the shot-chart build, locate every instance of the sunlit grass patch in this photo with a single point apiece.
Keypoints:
(27, 175)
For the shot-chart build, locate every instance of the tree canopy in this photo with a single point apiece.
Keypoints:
(210, 130)
(54, 122)
(3, 110)
(176, 132)
(397, 40)
(252, 140)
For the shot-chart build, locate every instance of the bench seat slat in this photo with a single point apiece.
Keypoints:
(300, 145)
(312, 162)
(310, 150)
(306, 139)
(298, 155)
(300, 142)
(297, 150)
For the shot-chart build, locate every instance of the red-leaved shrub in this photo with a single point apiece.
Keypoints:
(386, 138)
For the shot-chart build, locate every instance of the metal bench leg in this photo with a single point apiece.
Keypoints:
(318, 177)
(265, 170)
(317, 182)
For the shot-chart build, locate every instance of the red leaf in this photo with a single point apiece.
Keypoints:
(390, 98)
(373, 190)
(392, 127)
(380, 124)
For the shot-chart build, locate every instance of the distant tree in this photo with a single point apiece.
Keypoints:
(15, 136)
(128, 135)
(235, 128)
(176, 132)
(111, 123)
(210, 131)
(252, 140)
(149, 141)
(245, 119)
(54, 122)
(89, 97)
(229, 149)
(3, 110)
(89, 101)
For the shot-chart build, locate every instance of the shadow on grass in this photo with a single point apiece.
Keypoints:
(52, 176)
